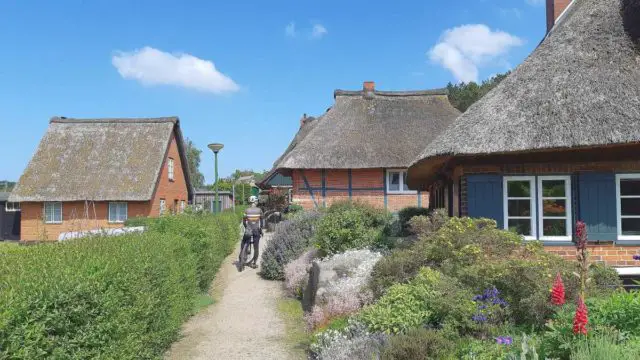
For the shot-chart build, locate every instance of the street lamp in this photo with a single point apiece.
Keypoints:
(216, 147)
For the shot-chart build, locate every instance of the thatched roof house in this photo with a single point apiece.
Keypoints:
(558, 140)
(579, 88)
(350, 147)
(106, 160)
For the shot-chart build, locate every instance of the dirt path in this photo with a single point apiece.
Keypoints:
(243, 323)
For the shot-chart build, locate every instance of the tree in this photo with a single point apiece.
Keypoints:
(463, 95)
(193, 159)
(6, 185)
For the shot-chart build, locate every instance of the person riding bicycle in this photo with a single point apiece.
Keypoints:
(253, 222)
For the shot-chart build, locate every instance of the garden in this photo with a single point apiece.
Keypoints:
(424, 286)
(121, 297)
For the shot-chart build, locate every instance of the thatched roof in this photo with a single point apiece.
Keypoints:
(370, 129)
(4, 196)
(99, 160)
(579, 88)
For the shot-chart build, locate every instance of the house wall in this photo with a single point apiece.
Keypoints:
(74, 218)
(597, 208)
(367, 185)
(167, 189)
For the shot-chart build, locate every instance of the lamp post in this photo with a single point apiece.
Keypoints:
(216, 147)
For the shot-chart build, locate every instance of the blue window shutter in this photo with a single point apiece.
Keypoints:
(485, 197)
(597, 204)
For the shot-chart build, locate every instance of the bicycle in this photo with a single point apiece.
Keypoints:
(245, 251)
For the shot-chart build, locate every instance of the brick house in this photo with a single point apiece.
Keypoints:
(361, 147)
(557, 141)
(95, 173)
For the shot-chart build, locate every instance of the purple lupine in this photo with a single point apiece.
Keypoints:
(504, 340)
(636, 257)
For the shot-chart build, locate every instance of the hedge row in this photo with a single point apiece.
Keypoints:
(119, 297)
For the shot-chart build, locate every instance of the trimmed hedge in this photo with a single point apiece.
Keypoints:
(122, 297)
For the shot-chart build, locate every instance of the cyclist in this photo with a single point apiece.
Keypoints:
(253, 222)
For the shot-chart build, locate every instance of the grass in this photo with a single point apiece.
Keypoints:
(297, 338)
(202, 302)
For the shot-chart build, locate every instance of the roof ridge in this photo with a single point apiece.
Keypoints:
(64, 120)
(430, 92)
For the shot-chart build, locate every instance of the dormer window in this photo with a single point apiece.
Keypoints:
(170, 168)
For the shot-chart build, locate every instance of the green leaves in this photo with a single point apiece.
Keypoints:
(119, 297)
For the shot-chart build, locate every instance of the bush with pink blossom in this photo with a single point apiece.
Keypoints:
(296, 273)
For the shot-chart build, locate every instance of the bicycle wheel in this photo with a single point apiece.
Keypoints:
(243, 255)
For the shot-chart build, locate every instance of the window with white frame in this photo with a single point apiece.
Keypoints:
(53, 212)
(170, 167)
(118, 212)
(163, 206)
(519, 205)
(554, 202)
(397, 182)
(11, 206)
(628, 206)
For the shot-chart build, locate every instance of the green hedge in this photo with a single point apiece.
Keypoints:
(121, 297)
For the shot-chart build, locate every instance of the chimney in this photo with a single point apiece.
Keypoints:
(303, 119)
(368, 88)
(555, 8)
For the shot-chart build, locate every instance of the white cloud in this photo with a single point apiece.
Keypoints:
(464, 49)
(318, 31)
(290, 30)
(154, 67)
(536, 2)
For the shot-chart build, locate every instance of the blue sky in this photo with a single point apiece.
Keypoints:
(237, 72)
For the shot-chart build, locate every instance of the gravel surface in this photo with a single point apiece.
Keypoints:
(243, 323)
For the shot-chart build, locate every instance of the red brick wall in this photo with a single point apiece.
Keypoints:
(167, 189)
(360, 179)
(610, 254)
(74, 218)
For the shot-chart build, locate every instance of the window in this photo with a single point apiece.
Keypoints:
(170, 168)
(397, 182)
(519, 205)
(118, 212)
(182, 205)
(163, 206)
(628, 206)
(53, 212)
(554, 202)
(175, 206)
(11, 206)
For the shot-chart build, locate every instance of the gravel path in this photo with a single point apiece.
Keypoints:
(243, 323)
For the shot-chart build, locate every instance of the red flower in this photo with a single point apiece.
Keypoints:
(581, 319)
(557, 292)
(581, 234)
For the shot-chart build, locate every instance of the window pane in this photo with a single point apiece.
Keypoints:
(405, 186)
(519, 208)
(520, 226)
(630, 206)
(57, 212)
(630, 226)
(112, 212)
(554, 227)
(554, 207)
(394, 181)
(629, 187)
(553, 188)
(519, 188)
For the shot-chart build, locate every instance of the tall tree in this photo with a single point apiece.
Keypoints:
(6, 185)
(463, 95)
(193, 159)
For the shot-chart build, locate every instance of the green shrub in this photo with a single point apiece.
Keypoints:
(419, 344)
(120, 297)
(352, 225)
(427, 225)
(604, 347)
(407, 214)
(620, 310)
(290, 240)
(431, 299)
